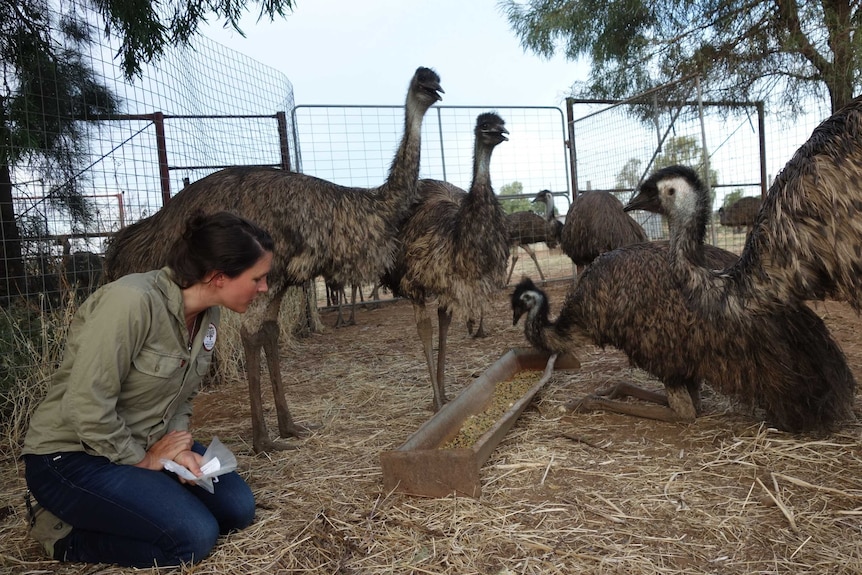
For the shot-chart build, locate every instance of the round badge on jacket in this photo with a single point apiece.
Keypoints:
(210, 337)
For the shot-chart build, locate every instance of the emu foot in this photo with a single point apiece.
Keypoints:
(626, 389)
(298, 431)
(268, 445)
(436, 405)
(586, 404)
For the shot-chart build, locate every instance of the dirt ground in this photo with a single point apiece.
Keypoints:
(563, 493)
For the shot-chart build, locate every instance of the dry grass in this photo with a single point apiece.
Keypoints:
(586, 493)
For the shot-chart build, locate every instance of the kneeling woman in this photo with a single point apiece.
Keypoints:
(120, 402)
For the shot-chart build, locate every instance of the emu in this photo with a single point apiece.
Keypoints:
(786, 363)
(454, 247)
(348, 235)
(754, 337)
(806, 238)
(740, 213)
(527, 228)
(595, 224)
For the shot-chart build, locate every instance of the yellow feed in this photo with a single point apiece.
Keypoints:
(506, 393)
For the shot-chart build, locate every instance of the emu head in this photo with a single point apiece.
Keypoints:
(526, 298)
(427, 83)
(490, 129)
(675, 192)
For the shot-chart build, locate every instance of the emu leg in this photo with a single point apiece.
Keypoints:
(251, 347)
(532, 254)
(444, 319)
(480, 331)
(425, 331)
(260, 331)
(339, 300)
(286, 425)
(352, 319)
(512, 267)
(676, 406)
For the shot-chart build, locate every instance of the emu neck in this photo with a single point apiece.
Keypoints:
(399, 191)
(482, 170)
(549, 208)
(480, 203)
(688, 232)
(705, 288)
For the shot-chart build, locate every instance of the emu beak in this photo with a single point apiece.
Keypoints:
(641, 201)
(516, 315)
(434, 89)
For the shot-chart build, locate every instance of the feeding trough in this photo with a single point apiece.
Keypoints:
(425, 466)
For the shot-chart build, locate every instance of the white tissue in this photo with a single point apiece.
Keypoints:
(217, 460)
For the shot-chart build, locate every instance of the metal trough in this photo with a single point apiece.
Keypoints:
(422, 467)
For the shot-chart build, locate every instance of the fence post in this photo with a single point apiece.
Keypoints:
(282, 140)
(442, 149)
(761, 128)
(162, 150)
(573, 156)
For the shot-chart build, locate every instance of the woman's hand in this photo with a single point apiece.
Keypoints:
(170, 446)
(191, 461)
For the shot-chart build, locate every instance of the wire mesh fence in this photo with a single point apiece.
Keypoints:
(737, 147)
(198, 109)
(354, 146)
(206, 107)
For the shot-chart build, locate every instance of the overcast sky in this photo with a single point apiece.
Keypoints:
(365, 52)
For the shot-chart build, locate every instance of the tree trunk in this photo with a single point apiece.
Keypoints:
(11, 260)
(840, 73)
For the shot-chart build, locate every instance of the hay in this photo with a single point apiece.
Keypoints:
(563, 493)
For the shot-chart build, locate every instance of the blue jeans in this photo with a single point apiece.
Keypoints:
(134, 517)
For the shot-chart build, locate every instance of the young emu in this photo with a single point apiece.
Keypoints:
(455, 247)
(348, 235)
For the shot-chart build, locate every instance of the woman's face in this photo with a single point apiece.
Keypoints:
(237, 293)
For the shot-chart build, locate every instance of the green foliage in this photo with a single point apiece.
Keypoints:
(683, 150)
(522, 204)
(515, 188)
(145, 28)
(517, 205)
(629, 176)
(742, 50)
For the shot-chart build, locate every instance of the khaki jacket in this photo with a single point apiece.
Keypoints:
(128, 373)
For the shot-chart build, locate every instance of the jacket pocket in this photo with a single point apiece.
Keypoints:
(156, 364)
(203, 364)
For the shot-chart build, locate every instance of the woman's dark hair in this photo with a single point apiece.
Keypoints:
(221, 241)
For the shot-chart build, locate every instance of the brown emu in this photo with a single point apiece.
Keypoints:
(805, 242)
(595, 224)
(348, 235)
(527, 228)
(747, 330)
(455, 248)
(740, 214)
(785, 362)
